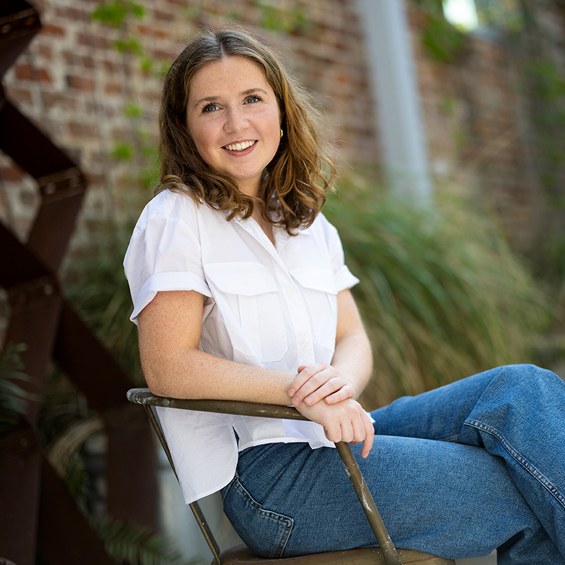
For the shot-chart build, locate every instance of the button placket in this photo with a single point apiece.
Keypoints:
(300, 319)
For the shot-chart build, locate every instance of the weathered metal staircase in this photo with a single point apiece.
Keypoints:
(39, 520)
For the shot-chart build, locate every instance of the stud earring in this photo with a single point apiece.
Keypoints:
(282, 132)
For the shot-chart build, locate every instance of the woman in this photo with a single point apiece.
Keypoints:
(240, 291)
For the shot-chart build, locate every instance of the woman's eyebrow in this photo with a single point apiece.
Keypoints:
(252, 90)
(205, 99)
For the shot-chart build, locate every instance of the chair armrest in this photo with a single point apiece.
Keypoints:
(144, 397)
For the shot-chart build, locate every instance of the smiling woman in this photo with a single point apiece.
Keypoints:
(241, 292)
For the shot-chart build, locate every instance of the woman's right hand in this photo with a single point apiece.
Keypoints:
(345, 421)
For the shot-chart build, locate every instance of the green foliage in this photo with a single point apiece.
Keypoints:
(141, 147)
(133, 111)
(442, 295)
(276, 19)
(442, 40)
(97, 287)
(122, 151)
(545, 84)
(548, 88)
(129, 45)
(434, 7)
(133, 544)
(117, 13)
(13, 396)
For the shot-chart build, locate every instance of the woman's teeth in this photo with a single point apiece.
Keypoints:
(239, 146)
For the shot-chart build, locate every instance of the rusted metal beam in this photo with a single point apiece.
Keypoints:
(95, 372)
(61, 183)
(41, 318)
(20, 475)
(19, 22)
(64, 533)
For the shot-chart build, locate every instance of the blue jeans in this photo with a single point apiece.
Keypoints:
(473, 466)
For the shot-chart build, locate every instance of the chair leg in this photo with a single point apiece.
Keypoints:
(389, 552)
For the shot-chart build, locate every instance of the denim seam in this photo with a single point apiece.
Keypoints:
(286, 521)
(540, 477)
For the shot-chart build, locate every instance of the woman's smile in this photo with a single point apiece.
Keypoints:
(240, 147)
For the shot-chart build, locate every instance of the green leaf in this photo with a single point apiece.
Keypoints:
(112, 13)
(133, 111)
(129, 44)
(116, 13)
(127, 542)
(122, 151)
(14, 398)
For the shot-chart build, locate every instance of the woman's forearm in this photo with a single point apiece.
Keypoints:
(198, 375)
(353, 360)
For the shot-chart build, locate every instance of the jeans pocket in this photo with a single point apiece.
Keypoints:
(264, 531)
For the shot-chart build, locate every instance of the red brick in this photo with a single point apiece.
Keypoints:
(115, 88)
(27, 71)
(91, 40)
(72, 13)
(59, 100)
(82, 130)
(53, 30)
(80, 82)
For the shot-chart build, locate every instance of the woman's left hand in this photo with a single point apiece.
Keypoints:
(314, 383)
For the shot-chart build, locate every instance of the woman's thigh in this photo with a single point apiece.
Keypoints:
(449, 499)
(437, 414)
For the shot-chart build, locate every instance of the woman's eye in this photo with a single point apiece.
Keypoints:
(252, 99)
(211, 107)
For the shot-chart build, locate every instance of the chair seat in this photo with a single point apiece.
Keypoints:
(240, 555)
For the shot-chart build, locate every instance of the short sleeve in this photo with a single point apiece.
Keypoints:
(164, 250)
(344, 278)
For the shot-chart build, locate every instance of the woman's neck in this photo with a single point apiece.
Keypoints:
(264, 224)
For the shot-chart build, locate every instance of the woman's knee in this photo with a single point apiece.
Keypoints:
(526, 377)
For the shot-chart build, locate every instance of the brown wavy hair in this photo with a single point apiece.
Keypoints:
(294, 184)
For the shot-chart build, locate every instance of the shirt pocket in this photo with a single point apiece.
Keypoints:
(319, 291)
(251, 295)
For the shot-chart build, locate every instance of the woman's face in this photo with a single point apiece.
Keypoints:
(234, 119)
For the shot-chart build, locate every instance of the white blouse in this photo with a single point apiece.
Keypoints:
(266, 305)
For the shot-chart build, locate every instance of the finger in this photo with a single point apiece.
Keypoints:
(304, 374)
(347, 434)
(333, 391)
(315, 381)
(343, 393)
(333, 432)
(369, 438)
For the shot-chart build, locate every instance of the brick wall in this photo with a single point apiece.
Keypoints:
(478, 116)
(475, 129)
(76, 85)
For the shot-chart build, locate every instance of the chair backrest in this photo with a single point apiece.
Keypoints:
(144, 397)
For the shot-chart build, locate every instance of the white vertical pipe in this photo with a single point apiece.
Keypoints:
(395, 89)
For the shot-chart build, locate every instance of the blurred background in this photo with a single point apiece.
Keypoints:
(447, 120)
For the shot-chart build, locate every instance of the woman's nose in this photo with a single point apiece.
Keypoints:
(235, 120)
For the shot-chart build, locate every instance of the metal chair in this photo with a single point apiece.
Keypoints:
(385, 554)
